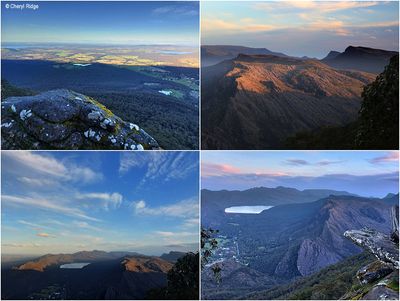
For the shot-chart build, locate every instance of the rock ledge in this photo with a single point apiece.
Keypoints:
(63, 119)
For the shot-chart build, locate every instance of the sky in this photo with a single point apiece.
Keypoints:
(54, 202)
(133, 22)
(366, 173)
(301, 28)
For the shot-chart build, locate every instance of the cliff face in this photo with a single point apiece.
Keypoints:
(337, 216)
(63, 119)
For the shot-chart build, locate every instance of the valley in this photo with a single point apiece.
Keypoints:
(286, 243)
(130, 87)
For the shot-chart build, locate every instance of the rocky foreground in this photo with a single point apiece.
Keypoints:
(379, 278)
(64, 119)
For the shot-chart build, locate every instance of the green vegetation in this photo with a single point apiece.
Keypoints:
(377, 126)
(330, 283)
(173, 124)
(183, 281)
(325, 138)
(379, 114)
(8, 90)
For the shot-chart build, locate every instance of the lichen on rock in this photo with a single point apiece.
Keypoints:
(63, 119)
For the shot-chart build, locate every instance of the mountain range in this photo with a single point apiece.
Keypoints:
(213, 54)
(360, 58)
(286, 242)
(106, 275)
(259, 101)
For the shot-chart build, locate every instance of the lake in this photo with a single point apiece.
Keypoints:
(247, 209)
(75, 265)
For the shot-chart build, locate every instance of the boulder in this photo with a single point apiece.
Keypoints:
(381, 292)
(64, 119)
(374, 271)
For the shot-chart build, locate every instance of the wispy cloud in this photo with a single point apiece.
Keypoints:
(301, 162)
(388, 157)
(297, 162)
(47, 169)
(163, 166)
(313, 6)
(45, 205)
(186, 208)
(176, 10)
(212, 169)
(37, 182)
(85, 225)
(32, 225)
(106, 201)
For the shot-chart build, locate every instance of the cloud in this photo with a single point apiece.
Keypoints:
(176, 10)
(301, 162)
(388, 157)
(107, 201)
(175, 234)
(85, 225)
(191, 222)
(187, 208)
(313, 6)
(163, 166)
(297, 162)
(45, 169)
(37, 182)
(21, 245)
(45, 235)
(33, 225)
(45, 205)
(328, 162)
(210, 169)
(210, 25)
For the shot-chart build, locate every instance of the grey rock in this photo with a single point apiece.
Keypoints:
(63, 119)
(377, 243)
(374, 271)
(395, 224)
(381, 292)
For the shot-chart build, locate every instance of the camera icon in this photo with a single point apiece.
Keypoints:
(7, 5)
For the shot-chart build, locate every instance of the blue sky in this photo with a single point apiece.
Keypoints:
(299, 28)
(364, 173)
(134, 22)
(70, 201)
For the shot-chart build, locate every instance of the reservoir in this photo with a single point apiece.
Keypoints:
(247, 209)
(76, 265)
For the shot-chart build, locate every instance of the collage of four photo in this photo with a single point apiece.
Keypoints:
(213, 150)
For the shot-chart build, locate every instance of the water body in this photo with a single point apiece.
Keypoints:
(174, 52)
(247, 209)
(81, 65)
(165, 92)
(75, 265)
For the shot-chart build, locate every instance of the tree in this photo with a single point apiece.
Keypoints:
(379, 114)
(183, 281)
(208, 245)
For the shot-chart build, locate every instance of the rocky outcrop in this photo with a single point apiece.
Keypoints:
(63, 119)
(380, 278)
(377, 243)
(374, 271)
